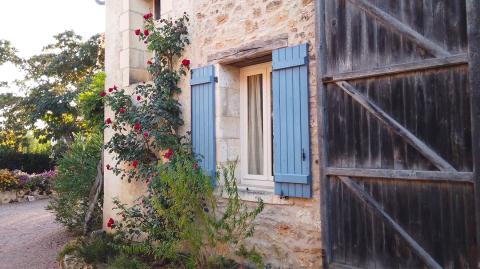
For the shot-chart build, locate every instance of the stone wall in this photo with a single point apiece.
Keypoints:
(288, 231)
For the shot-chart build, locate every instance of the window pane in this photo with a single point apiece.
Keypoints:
(255, 125)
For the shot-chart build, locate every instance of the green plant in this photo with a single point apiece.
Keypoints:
(7, 180)
(97, 249)
(76, 173)
(126, 262)
(90, 106)
(251, 255)
(68, 249)
(180, 215)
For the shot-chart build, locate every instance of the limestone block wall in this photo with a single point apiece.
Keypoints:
(288, 231)
(125, 65)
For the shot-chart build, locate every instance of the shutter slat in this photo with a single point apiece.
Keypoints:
(203, 117)
(291, 122)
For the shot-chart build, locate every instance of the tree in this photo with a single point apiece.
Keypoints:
(52, 85)
(8, 53)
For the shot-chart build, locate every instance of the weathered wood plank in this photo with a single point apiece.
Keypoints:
(436, 176)
(252, 50)
(423, 65)
(473, 29)
(391, 123)
(394, 24)
(377, 209)
(93, 196)
(321, 52)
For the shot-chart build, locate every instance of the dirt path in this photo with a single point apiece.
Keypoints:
(29, 238)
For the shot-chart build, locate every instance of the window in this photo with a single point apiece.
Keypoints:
(256, 125)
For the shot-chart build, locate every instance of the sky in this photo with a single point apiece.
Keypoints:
(31, 24)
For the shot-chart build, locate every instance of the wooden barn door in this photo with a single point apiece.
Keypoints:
(399, 134)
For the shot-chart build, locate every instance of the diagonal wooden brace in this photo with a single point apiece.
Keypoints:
(396, 127)
(401, 28)
(378, 210)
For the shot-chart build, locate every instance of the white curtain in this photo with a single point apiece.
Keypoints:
(255, 125)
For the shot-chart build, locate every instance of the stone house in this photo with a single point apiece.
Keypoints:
(241, 52)
(356, 122)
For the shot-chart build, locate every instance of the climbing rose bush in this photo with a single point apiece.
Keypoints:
(146, 122)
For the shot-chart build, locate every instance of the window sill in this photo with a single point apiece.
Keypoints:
(252, 194)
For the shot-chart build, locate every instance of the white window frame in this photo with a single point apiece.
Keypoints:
(265, 180)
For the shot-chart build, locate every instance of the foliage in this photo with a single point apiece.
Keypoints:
(250, 254)
(27, 162)
(148, 124)
(90, 106)
(180, 216)
(7, 180)
(126, 262)
(12, 132)
(52, 83)
(8, 53)
(76, 174)
(97, 249)
(43, 183)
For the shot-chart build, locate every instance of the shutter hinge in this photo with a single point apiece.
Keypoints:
(215, 79)
(303, 155)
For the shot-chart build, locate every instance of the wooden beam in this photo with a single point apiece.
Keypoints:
(378, 210)
(94, 196)
(401, 28)
(321, 52)
(427, 64)
(396, 127)
(252, 50)
(436, 176)
(473, 31)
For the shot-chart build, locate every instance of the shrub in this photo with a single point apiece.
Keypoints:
(43, 183)
(180, 216)
(97, 249)
(126, 262)
(77, 170)
(27, 162)
(7, 180)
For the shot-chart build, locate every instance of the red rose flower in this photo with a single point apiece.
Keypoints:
(110, 223)
(146, 32)
(110, 89)
(195, 165)
(138, 31)
(146, 134)
(122, 110)
(102, 94)
(139, 98)
(137, 126)
(147, 16)
(168, 154)
(149, 62)
(108, 121)
(115, 87)
(135, 164)
(186, 62)
(108, 167)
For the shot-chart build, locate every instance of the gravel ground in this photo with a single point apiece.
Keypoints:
(29, 237)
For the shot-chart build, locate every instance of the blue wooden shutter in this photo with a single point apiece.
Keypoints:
(203, 117)
(291, 122)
